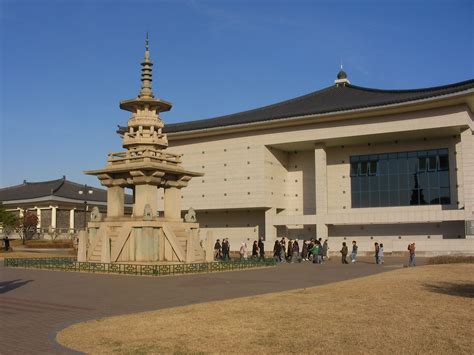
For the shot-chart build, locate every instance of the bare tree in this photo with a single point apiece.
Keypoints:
(8, 220)
(26, 225)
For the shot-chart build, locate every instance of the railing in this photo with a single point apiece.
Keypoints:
(152, 154)
(71, 264)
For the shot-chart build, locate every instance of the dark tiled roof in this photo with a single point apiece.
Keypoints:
(59, 188)
(328, 100)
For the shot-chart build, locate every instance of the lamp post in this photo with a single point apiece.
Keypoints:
(84, 192)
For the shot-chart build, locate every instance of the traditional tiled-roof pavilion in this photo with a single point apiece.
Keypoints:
(59, 204)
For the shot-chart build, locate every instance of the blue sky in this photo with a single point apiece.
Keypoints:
(65, 65)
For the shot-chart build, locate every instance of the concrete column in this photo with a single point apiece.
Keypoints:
(82, 246)
(467, 172)
(38, 213)
(71, 218)
(105, 252)
(270, 229)
(53, 217)
(320, 165)
(172, 203)
(115, 201)
(145, 194)
(209, 247)
(322, 231)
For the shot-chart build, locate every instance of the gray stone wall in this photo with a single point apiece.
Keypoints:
(62, 219)
(45, 218)
(79, 218)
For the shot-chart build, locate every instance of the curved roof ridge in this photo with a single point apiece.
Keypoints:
(330, 99)
(424, 89)
(26, 183)
(253, 110)
(61, 183)
(81, 185)
(42, 182)
(12, 187)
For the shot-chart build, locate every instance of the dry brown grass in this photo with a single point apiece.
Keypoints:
(25, 254)
(412, 310)
(42, 243)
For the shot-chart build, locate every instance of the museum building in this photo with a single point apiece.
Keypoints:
(344, 163)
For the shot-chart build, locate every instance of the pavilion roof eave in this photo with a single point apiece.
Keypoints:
(53, 198)
(125, 168)
(407, 106)
(158, 104)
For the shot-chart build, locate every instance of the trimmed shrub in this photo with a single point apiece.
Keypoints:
(451, 259)
(49, 244)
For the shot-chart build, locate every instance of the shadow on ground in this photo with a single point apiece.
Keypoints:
(452, 289)
(6, 286)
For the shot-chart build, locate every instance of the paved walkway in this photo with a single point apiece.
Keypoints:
(36, 304)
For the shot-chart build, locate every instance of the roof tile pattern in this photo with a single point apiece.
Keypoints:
(59, 188)
(328, 100)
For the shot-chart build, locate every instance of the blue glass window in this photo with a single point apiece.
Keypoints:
(400, 179)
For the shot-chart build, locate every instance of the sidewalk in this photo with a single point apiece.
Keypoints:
(38, 303)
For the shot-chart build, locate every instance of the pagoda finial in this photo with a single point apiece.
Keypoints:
(146, 78)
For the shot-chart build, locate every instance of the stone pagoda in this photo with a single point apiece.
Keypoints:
(144, 167)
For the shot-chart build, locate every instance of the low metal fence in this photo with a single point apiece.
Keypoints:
(71, 264)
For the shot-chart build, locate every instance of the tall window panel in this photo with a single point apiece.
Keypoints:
(400, 179)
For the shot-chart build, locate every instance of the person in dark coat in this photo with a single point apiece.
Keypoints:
(377, 248)
(6, 243)
(295, 253)
(255, 250)
(261, 248)
(289, 252)
(344, 252)
(310, 249)
(277, 251)
(225, 250)
(304, 252)
(217, 250)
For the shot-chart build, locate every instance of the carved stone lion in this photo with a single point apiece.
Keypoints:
(96, 216)
(190, 217)
(147, 213)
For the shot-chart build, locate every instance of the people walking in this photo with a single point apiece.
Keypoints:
(377, 249)
(6, 243)
(344, 252)
(304, 251)
(325, 250)
(310, 249)
(277, 251)
(261, 249)
(290, 250)
(411, 250)
(381, 254)
(295, 253)
(243, 251)
(282, 250)
(354, 251)
(217, 250)
(225, 250)
(320, 252)
(255, 250)
(314, 252)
